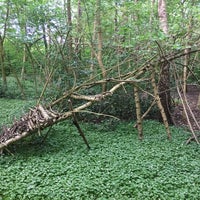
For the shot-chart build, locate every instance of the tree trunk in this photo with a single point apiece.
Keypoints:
(187, 56)
(100, 42)
(162, 14)
(69, 23)
(92, 54)
(164, 82)
(2, 52)
(79, 30)
(160, 104)
(2, 63)
(138, 113)
(152, 14)
(23, 63)
(164, 90)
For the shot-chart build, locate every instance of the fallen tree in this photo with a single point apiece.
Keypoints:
(41, 117)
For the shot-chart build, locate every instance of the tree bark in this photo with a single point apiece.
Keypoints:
(100, 43)
(162, 14)
(67, 7)
(2, 63)
(69, 23)
(160, 104)
(2, 52)
(164, 82)
(164, 90)
(187, 56)
(138, 113)
(79, 30)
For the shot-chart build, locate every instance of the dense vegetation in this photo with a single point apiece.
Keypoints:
(50, 47)
(118, 166)
(70, 41)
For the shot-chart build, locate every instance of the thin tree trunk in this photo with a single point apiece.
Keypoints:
(138, 113)
(92, 55)
(100, 43)
(185, 71)
(152, 14)
(162, 14)
(69, 23)
(187, 57)
(2, 52)
(2, 63)
(79, 30)
(160, 105)
(67, 46)
(23, 63)
(46, 47)
(24, 59)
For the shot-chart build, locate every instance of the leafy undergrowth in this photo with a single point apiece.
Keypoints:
(118, 166)
(11, 109)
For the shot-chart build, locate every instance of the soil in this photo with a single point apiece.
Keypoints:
(179, 117)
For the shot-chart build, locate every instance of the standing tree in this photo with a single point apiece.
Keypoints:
(69, 23)
(78, 38)
(2, 40)
(164, 82)
(97, 35)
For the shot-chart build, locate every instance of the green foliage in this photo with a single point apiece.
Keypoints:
(130, 31)
(14, 92)
(12, 109)
(118, 166)
(196, 75)
(121, 105)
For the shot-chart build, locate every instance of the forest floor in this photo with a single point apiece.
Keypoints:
(193, 92)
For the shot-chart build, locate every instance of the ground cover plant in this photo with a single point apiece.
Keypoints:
(118, 166)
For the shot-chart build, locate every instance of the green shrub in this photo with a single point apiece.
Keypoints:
(121, 105)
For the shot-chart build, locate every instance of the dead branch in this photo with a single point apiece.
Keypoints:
(40, 117)
(35, 120)
(186, 106)
(75, 122)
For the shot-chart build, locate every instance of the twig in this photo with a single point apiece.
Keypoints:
(45, 86)
(47, 133)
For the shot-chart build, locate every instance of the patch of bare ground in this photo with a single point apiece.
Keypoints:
(179, 116)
